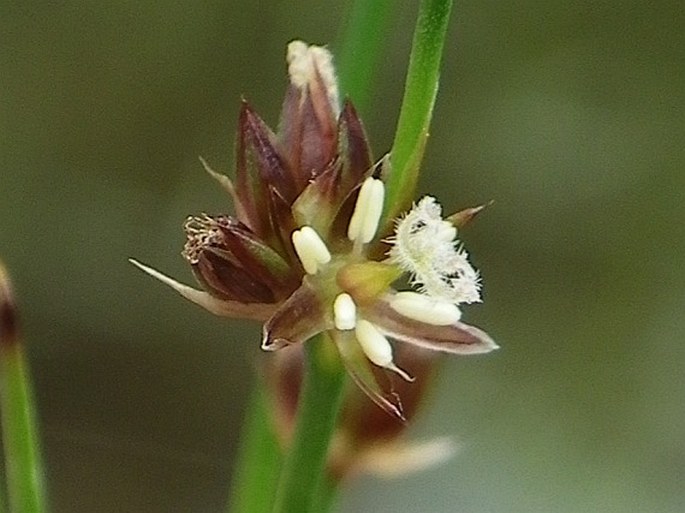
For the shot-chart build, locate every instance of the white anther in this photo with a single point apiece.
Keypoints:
(377, 348)
(344, 312)
(311, 250)
(423, 308)
(367, 211)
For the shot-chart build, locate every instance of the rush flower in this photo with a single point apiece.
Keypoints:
(302, 252)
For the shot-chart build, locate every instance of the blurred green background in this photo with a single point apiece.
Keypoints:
(568, 114)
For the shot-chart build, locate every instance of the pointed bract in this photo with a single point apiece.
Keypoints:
(353, 146)
(249, 186)
(272, 166)
(359, 368)
(224, 308)
(465, 216)
(458, 338)
(318, 203)
(297, 320)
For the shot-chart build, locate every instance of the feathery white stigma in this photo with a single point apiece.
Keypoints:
(424, 308)
(310, 249)
(344, 312)
(424, 245)
(377, 348)
(367, 211)
(305, 62)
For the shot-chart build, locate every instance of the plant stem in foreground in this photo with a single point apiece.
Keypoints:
(420, 90)
(318, 406)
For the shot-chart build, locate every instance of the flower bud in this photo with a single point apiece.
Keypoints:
(310, 111)
(232, 263)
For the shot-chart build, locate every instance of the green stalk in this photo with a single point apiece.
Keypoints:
(259, 460)
(420, 90)
(318, 407)
(325, 497)
(23, 464)
(364, 35)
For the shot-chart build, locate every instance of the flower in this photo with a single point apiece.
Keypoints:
(303, 254)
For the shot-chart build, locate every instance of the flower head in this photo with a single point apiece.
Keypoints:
(300, 253)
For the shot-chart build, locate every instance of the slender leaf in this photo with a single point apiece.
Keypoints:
(23, 463)
(318, 408)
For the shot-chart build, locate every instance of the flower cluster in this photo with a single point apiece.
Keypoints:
(301, 253)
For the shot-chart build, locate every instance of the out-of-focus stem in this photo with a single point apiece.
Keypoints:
(259, 460)
(23, 463)
(365, 34)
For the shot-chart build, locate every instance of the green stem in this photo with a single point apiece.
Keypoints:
(259, 460)
(365, 33)
(326, 495)
(420, 90)
(318, 406)
(19, 432)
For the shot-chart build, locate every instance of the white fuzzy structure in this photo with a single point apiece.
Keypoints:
(305, 61)
(425, 246)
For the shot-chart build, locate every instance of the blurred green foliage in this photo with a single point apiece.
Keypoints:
(568, 114)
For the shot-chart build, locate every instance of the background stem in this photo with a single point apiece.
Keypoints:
(318, 407)
(420, 90)
(364, 35)
(23, 464)
(259, 459)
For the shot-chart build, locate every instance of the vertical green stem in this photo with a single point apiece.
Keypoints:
(259, 460)
(19, 432)
(318, 407)
(420, 90)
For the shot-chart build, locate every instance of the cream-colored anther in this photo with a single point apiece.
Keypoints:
(344, 312)
(423, 308)
(377, 348)
(311, 250)
(367, 211)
